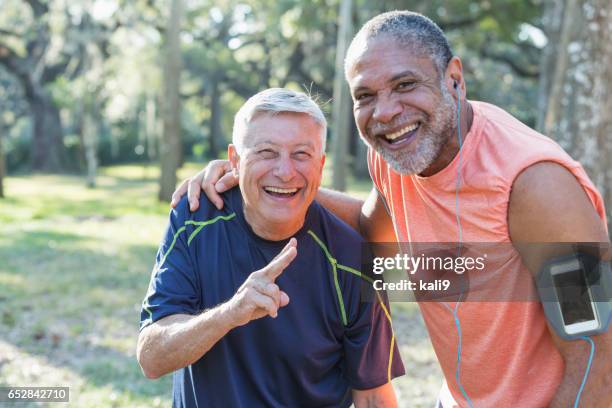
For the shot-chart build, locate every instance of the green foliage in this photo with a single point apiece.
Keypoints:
(239, 47)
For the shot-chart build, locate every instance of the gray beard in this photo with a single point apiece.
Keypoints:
(435, 133)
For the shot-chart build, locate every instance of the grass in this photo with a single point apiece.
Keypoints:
(74, 266)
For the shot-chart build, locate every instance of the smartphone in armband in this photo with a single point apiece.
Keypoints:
(574, 291)
(575, 300)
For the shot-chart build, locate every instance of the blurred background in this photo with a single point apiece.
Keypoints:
(106, 104)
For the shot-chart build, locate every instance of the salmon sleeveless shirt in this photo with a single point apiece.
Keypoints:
(508, 357)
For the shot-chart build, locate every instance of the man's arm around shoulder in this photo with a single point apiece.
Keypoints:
(369, 218)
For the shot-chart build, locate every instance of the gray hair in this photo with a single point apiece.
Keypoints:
(274, 101)
(409, 28)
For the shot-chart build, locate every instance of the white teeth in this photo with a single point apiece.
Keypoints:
(395, 135)
(281, 190)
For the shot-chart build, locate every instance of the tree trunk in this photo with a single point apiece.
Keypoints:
(2, 162)
(48, 153)
(151, 125)
(342, 102)
(170, 153)
(552, 20)
(215, 135)
(47, 148)
(90, 140)
(579, 111)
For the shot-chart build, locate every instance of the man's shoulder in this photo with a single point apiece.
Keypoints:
(502, 125)
(206, 211)
(500, 135)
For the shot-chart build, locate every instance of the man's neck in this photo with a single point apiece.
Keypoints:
(271, 231)
(451, 147)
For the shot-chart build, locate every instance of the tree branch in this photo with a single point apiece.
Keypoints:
(530, 48)
(51, 72)
(200, 92)
(10, 33)
(18, 66)
(511, 62)
(462, 21)
(38, 8)
(296, 70)
(11, 60)
(241, 89)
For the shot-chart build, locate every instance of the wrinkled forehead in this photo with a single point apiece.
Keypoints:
(283, 129)
(385, 58)
(364, 50)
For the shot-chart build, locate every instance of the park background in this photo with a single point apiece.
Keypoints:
(105, 104)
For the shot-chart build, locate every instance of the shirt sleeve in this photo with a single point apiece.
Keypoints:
(174, 287)
(372, 355)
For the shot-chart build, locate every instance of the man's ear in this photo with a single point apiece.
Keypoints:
(233, 157)
(453, 77)
(322, 164)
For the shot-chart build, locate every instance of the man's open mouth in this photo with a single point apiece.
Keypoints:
(402, 135)
(281, 192)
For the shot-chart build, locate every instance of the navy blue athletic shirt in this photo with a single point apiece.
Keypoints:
(323, 343)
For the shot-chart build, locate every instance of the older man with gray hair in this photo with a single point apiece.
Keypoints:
(262, 303)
